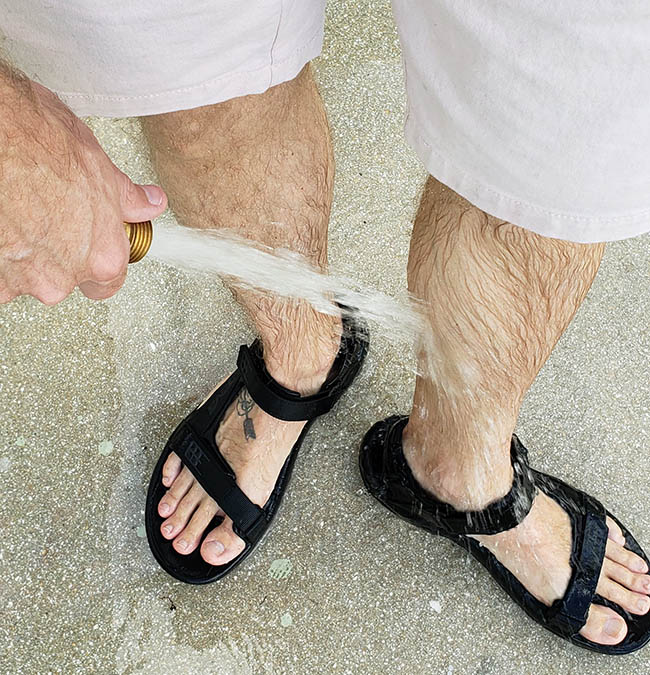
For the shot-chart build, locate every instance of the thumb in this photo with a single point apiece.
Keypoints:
(140, 202)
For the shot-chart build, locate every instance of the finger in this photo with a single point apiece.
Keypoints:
(45, 280)
(140, 202)
(100, 291)
(106, 266)
(50, 296)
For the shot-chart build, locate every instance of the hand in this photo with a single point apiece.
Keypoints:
(62, 200)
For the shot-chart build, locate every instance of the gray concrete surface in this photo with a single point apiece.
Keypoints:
(90, 391)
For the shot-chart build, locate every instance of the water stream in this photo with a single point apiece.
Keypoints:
(280, 272)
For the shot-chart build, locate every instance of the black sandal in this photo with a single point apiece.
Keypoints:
(389, 479)
(194, 442)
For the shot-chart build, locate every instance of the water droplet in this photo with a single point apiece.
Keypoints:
(286, 620)
(105, 448)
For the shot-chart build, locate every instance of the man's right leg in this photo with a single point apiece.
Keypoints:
(262, 167)
(500, 297)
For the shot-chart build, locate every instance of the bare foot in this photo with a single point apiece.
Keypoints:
(255, 445)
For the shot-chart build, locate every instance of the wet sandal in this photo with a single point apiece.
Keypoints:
(389, 479)
(194, 442)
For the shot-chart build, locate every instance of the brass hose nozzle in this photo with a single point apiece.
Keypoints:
(140, 236)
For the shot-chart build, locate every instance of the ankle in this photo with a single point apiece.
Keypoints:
(468, 475)
(301, 359)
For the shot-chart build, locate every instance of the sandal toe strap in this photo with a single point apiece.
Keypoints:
(215, 476)
(569, 614)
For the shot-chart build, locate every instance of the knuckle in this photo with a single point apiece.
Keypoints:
(96, 291)
(51, 296)
(108, 267)
(129, 191)
(7, 296)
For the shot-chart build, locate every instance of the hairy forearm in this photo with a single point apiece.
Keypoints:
(14, 87)
(18, 104)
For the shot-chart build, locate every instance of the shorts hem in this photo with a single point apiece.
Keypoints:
(579, 228)
(223, 88)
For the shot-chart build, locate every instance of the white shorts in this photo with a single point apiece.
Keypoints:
(536, 112)
(126, 58)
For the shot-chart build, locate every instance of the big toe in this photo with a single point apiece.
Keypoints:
(221, 545)
(604, 626)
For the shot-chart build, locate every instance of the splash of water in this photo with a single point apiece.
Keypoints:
(249, 265)
(280, 272)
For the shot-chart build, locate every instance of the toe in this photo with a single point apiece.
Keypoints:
(176, 492)
(222, 545)
(183, 512)
(615, 532)
(634, 603)
(622, 556)
(189, 538)
(640, 583)
(604, 626)
(171, 469)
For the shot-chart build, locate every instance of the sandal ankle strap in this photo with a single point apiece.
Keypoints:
(290, 406)
(499, 516)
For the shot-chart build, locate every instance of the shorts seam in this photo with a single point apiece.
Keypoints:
(170, 92)
(510, 198)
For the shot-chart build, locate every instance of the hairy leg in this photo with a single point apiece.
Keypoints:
(500, 297)
(262, 167)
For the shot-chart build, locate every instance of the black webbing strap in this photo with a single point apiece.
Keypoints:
(212, 471)
(276, 400)
(499, 516)
(569, 614)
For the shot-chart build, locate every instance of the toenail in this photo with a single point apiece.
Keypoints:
(639, 566)
(642, 605)
(613, 627)
(182, 544)
(164, 508)
(168, 529)
(215, 547)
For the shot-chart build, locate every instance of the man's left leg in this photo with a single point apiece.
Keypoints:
(262, 167)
